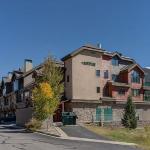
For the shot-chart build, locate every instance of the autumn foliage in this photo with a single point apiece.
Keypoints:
(47, 93)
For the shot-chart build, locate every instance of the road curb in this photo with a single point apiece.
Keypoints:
(99, 141)
(49, 134)
(88, 140)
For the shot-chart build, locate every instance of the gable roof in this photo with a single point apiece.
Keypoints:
(86, 47)
(112, 54)
(130, 67)
(16, 74)
(96, 49)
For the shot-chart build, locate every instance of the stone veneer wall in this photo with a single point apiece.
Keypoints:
(86, 111)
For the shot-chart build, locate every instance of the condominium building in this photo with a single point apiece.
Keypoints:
(16, 93)
(98, 83)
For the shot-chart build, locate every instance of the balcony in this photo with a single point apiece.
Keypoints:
(146, 86)
(119, 84)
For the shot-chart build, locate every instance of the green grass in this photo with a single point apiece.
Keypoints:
(138, 136)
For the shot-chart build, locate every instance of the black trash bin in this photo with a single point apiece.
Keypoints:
(69, 118)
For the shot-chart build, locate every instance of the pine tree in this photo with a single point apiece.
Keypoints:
(129, 118)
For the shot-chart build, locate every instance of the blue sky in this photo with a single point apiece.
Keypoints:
(34, 28)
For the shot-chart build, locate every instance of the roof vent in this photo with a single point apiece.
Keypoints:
(99, 45)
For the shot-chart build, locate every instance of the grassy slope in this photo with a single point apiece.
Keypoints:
(138, 136)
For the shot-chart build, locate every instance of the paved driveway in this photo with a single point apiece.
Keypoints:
(81, 132)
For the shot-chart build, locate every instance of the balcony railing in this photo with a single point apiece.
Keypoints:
(147, 84)
(147, 98)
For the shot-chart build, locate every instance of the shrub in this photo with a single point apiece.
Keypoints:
(33, 124)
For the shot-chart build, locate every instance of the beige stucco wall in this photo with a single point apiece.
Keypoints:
(84, 79)
(23, 115)
(68, 85)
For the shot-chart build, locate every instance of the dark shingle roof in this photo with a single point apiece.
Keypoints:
(96, 49)
(130, 67)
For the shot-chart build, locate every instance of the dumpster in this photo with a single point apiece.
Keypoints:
(69, 118)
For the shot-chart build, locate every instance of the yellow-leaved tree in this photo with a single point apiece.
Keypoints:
(48, 92)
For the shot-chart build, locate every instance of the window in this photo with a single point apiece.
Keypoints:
(98, 73)
(121, 92)
(16, 83)
(135, 92)
(5, 101)
(67, 78)
(4, 90)
(98, 89)
(114, 77)
(115, 61)
(106, 74)
(135, 77)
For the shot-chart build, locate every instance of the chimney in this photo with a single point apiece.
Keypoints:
(28, 65)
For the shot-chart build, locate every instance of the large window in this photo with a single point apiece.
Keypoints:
(135, 92)
(135, 77)
(115, 61)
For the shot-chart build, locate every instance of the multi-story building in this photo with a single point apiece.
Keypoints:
(13, 91)
(98, 83)
(16, 93)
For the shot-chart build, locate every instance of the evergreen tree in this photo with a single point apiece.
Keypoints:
(129, 118)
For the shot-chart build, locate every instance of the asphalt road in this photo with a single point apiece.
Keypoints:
(12, 138)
